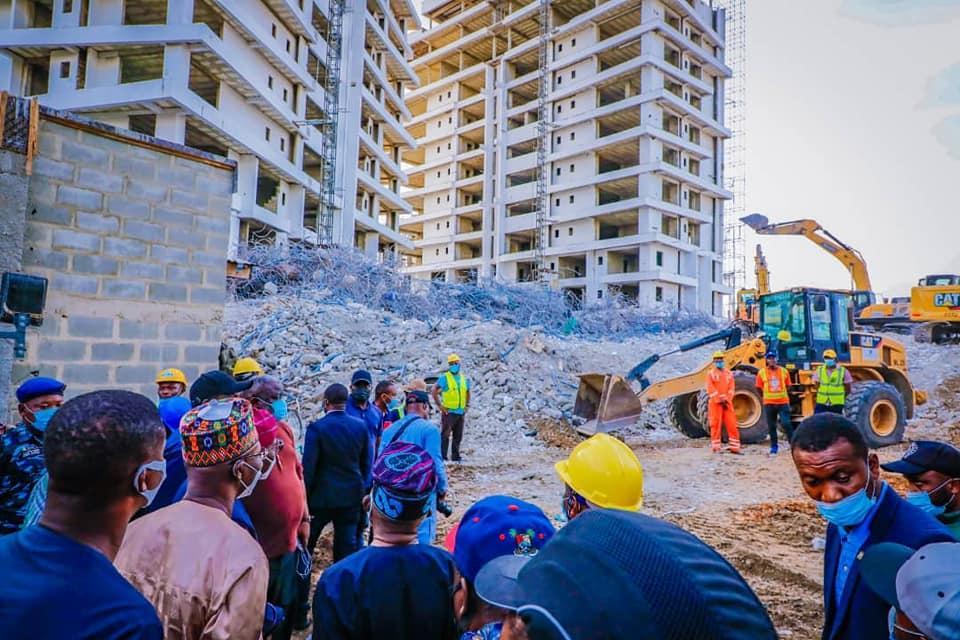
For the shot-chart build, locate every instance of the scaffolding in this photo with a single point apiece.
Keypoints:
(329, 126)
(541, 237)
(734, 167)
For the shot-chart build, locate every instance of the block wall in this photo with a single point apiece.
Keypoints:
(132, 234)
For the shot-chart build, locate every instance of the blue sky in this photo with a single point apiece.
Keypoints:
(853, 119)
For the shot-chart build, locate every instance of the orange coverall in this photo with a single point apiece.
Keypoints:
(720, 413)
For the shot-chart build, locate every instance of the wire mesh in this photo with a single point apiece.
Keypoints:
(16, 124)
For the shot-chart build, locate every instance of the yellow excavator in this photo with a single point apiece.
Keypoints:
(748, 311)
(935, 307)
(799, 324)
(893, 315)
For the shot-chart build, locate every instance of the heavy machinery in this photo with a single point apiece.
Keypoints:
(800, 324)
(935, 305)
(748, 311)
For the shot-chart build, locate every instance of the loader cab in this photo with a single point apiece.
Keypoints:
(940, 280)
(803, 323)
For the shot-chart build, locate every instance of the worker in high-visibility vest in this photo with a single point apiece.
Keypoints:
(720, 415)
(832, 383)
(773, 381)
(451, 394)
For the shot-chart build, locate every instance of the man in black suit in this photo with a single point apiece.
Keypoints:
(336, 459)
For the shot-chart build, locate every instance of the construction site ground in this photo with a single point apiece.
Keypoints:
(751, 508)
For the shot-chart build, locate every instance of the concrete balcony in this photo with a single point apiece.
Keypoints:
(386, 86)
(293, 15)
(399, 135)
(386, 161)
(375, 186)
(364, 221)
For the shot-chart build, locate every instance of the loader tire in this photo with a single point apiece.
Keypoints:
(747, 404)
(684, 413)
(878, 410)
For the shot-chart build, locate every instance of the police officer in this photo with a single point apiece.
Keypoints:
(832, 383)
(21, 448)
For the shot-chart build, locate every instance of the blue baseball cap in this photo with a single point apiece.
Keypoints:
(618, 575)
(927, 455)
(39, 386)
(361, 376)
(498, 526)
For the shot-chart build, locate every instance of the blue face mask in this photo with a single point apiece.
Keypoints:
(720, 364)
(42, 417)
(279, 408)
(921, 499)
(155, 465)
(395, 404)
(831, 363)
(850, 511)
(454, 369)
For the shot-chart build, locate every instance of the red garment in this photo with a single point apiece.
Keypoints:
(278, 504)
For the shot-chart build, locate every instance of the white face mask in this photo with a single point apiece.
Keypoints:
(159, 466)
(248, 488)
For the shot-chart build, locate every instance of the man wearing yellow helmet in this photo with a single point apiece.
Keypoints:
(832, 383)
(171, 383)
(246, 369)
(451, 394)
(720, 415)
(601, 472)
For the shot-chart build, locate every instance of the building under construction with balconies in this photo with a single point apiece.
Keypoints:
(574, 141)
(284, 87)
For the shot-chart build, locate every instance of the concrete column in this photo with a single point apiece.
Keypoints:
(248, 168)
(172, 126)
(63, 72)
(103, 69)
(176, 65)
(104, 12)
(296, 199)
(63, 20)
(371, 244)
(348, 145)
(499, 208)
(179, 11)
(234, 237)
(489, 177)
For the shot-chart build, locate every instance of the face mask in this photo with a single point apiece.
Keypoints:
(361, 394)
(42, 417)
(162, 402)
(831, 363)
(279, 408)
(720, 365)
(394, 404)
(454, 368)
(850, 511)
(248, 488)
(922, 500)
(154, 465)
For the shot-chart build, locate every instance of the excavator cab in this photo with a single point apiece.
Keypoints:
(807, 322)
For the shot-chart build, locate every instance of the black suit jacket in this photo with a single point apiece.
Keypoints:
(336, 459)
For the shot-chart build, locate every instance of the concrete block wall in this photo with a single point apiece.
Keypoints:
(132, 234)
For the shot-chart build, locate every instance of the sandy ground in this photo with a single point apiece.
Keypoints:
(751, 508)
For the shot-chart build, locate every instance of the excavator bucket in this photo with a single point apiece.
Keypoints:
(606, 402)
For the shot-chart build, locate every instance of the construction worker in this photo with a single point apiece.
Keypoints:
(773, 380)
(452, 395)
(832, 383)
(246, 369)
(933, 471)
(720, 387)
(601, 472)
(171, 383)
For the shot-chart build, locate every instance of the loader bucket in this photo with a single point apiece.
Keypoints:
(606, 402)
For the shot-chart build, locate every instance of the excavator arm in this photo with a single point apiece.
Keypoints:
(810, 229)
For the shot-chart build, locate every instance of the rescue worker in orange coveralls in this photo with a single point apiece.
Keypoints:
(720, 386)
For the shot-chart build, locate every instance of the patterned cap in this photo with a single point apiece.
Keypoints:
(217, 432)
(404, 478)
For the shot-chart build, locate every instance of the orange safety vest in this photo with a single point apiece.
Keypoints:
(775, 387)
(720, 385)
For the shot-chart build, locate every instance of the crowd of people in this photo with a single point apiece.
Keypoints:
(196, 515)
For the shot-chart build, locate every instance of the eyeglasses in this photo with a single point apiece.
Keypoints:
(899, 633)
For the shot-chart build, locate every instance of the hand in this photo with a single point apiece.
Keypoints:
(303, 532)
(443, 410)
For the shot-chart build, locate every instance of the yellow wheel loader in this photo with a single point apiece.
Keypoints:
(799, 324)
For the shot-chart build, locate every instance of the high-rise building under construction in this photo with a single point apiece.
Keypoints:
(573, 141)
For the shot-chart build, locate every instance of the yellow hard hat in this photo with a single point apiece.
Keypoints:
(605, 472)
(453, 358)
(829, 353)
(171, 375)
(719, 355)
(247, 366)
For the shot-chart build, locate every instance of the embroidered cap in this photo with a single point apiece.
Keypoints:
(404, 479)
(498, 526)
(217, 432)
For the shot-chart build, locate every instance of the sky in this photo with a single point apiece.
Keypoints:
(853, 120)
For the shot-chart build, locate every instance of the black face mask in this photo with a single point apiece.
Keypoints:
(361, 394)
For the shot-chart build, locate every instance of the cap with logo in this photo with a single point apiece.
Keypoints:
(927, 455)
(924, 584)
(498, 526)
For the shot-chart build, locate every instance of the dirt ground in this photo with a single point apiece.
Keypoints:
(750, 508)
